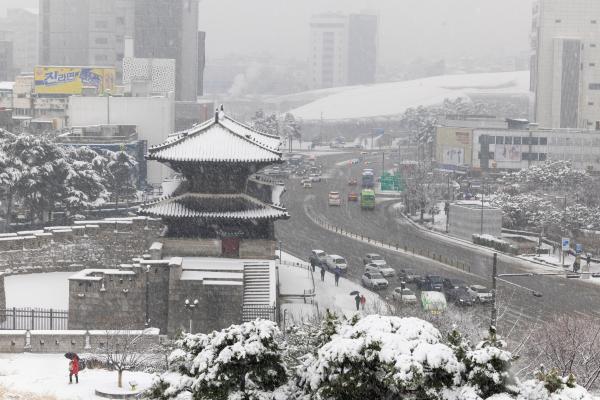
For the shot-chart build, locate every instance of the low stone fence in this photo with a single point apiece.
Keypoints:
(77, 341)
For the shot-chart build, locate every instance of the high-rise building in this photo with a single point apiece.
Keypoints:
(84, 32)
(7, 72)
(565, 63)
(21, 27)
(362, 48)
(342, 50)
(201, 61)
(328, 51)
(169, 29)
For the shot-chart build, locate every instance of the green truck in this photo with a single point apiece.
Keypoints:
(367, 199)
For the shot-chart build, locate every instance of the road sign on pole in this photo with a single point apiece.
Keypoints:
(566, 244)
(578, 248)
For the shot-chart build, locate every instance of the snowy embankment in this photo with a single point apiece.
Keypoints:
(47, 374)
(295, 280)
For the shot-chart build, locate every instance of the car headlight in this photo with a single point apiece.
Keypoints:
(461, 300)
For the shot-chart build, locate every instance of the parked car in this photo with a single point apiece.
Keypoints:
(317, 258)
(451, 285)
(381, 268)
(334, 199)
(352, 196)
(433, 301)
(480, 293)
(404, 295)
(352, 182)
(306, 184)
(409, 276)
(374, 280)
(431, 283)
(373, 258)
(332, 261)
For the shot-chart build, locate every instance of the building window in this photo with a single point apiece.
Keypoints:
(543, 141)
(499, 139)
(101, 40)
(525, 140)
(594, 21)
(100, 57)
(594, 86)
(101, 24)
(508, 139)
(534, 140)
(590, 103)
(558, 21)
(592, 64)
(516, 140)
(542, 156)
(592, 44)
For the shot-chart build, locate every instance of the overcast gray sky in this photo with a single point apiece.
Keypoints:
(408, 28)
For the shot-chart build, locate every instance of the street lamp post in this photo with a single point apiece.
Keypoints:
(482, 188)
(191, 306)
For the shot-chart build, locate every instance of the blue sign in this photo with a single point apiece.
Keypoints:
(379, 131)
(566, 244)
(578, 248)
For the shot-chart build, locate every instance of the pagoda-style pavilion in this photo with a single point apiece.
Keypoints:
(220, 208)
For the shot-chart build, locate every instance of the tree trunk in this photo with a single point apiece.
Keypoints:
(120, 379)
(9, 200)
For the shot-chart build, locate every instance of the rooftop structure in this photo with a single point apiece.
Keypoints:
(217, 199)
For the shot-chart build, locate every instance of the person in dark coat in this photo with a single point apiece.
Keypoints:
(357, 300)
(74, 370)
(322, 274)
(338, 272)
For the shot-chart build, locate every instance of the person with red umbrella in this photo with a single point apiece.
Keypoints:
(73, 367)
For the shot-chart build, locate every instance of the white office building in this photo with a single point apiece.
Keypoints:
(328, 51)
(565, 63)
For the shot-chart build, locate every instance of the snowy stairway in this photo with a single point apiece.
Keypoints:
(256, 291)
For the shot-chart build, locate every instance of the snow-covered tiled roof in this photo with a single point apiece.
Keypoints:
(220, 139)
(213, 206)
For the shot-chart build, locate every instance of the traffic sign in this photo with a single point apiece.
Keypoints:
(566, 244)
(578, 248)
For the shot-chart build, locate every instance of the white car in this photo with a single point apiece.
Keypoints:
(382, 269)
(480, 293)
(404, 295)
(374, 258)
(307, 184)
(334, 199)
(333, 260)
(374, 280)
(315, 177)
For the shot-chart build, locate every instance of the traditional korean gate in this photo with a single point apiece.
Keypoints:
(230, 247)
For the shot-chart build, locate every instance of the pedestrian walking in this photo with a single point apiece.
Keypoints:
(363, 300)
(588, 259)
(357, 300)
(322, 274)
(337, 274)
(74, 370)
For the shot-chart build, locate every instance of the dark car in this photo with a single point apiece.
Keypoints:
(461, 297)
(408, 275)
(431, 283)
(452, 284)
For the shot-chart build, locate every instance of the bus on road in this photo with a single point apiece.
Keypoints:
(367, 199)
(368, 179)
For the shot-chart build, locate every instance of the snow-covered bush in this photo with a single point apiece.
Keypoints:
(240, 362)
(380, 357)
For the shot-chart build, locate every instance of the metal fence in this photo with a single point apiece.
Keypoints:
(33, 318)
(252, 311)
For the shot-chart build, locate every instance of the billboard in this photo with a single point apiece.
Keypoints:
(72, 80)
(453, 155)
(507, 152)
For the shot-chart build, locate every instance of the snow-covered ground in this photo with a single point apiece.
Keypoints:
(387, 99)
(44, 290)
(47, 374)
(295, 280)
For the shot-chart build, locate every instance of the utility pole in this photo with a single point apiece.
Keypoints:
(482, 186)
(382, 163)
(494, 317)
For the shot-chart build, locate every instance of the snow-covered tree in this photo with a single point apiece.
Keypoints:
(240, 362)
(380, 357)
(11, 171)
(265, 123)
(119, 175)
